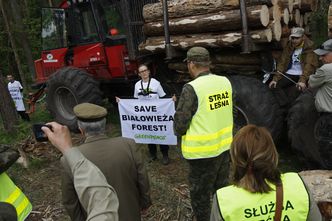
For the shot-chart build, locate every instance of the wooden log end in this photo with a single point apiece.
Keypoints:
(285, 16)
(297, 17)
(264, 15)
(276, 29)
(268, 34)
(290, 6)
(276, 13)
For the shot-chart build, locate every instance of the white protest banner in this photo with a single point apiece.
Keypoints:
(148, 121)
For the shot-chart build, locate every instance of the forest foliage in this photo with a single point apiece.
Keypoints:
(24, 21)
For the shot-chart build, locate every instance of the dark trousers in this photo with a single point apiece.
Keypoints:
(206, 176)
(24, 115)
(286, 91)
(285, 83)
(153, 149)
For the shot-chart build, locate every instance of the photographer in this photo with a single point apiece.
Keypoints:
(97, 197)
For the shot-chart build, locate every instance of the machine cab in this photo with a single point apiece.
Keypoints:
(86, 35)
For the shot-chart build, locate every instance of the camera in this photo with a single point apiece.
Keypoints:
(38, 133)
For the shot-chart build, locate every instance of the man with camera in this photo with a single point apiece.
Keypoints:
(97, 197)
(118, 159)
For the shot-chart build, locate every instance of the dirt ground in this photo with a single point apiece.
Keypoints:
(169, 185)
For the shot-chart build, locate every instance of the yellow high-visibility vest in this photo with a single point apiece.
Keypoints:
(10, 193)
(210, 130)
(238, 204)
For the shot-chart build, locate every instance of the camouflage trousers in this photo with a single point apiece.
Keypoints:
(206, 176)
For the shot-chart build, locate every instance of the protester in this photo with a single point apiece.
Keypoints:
(256, 179)
(15, 89)
(150, 88)
(322, 79)
(96, 196)
(204, 119)
(297, 62)
(119, 160)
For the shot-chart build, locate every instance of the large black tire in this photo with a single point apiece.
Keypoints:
(306, 133)
(68, 87)
(255, 104)
(323, 136)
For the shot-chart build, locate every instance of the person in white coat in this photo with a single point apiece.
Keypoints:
(15, 89)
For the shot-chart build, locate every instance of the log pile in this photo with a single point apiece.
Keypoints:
(319, 183)
(217, 23)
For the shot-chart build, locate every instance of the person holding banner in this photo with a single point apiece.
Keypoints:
(150, 88)
(204, 120)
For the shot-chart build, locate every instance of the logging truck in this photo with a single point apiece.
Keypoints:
(91, 49)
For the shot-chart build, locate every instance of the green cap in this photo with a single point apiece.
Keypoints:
(89, 112)
(198, 54)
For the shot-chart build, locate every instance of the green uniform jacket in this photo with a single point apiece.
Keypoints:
(120, 161)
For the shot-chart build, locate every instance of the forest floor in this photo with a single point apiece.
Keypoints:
(169, 184)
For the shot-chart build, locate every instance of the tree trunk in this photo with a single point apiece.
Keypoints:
(208, 40)
(7, 109)
(23, 36)
(13, 44)
(154, 12)
(258, 17)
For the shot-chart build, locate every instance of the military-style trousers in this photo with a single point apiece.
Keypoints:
(206, 176)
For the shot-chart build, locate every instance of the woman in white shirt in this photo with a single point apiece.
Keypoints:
(150, 88)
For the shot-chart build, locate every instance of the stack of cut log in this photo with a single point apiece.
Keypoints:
(319, 182)
(217, 23)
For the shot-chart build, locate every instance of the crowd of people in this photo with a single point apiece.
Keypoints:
(230, 179)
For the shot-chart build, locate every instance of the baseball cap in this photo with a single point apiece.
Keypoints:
(89, 112)
(297, 32)
(325, 48)
(198, 54)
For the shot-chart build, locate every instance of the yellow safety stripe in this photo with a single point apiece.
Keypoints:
(209, 136)
(196, 149)
(13, 196)
(22, 206)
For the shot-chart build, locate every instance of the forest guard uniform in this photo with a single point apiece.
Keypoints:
(10, 193)
(238, 204)
(214, 110)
